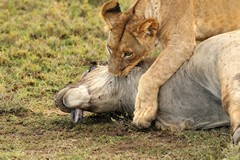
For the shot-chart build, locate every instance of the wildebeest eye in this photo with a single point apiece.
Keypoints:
(127, 54)
(109, 49)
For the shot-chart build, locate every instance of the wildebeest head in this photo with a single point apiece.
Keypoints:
(98, 92)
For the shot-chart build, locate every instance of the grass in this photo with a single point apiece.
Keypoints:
(46, 44)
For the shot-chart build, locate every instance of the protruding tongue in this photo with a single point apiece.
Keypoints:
(76, 115)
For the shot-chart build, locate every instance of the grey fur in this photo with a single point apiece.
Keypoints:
(191, 99)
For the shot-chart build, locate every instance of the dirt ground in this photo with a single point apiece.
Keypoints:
(51, 135)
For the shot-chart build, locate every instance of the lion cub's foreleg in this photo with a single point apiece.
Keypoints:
(229, 72)
(178, 38)
(146, 104)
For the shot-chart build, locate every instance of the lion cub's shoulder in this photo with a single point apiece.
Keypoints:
(213, 17)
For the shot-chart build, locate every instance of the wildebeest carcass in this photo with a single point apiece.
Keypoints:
(203, 93)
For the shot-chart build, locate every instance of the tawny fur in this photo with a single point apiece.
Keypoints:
(176, 24)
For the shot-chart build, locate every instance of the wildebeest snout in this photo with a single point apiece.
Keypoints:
(76, 97)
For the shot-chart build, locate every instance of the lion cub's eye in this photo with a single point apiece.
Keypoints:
(109, 49)
(127, 54)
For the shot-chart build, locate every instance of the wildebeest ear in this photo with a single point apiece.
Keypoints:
(110, 12)
(148, 26)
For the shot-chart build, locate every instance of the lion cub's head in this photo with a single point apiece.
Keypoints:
(131, 37)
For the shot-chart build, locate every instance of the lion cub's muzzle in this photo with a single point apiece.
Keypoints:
(114, 70)
(120, 72)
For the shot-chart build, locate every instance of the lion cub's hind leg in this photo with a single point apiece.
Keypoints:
(229, 73)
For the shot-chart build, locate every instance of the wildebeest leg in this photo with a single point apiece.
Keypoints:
(229, 72)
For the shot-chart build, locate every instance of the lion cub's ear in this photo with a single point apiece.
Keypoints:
(148, 27)
(110, 12)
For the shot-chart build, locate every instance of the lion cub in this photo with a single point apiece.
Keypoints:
(176, 24)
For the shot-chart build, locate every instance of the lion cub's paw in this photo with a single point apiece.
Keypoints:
(236, 137)
(144, 114)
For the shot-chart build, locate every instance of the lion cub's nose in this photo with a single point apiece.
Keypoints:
(114, 72)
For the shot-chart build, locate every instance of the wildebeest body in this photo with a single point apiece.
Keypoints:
(191, 99)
